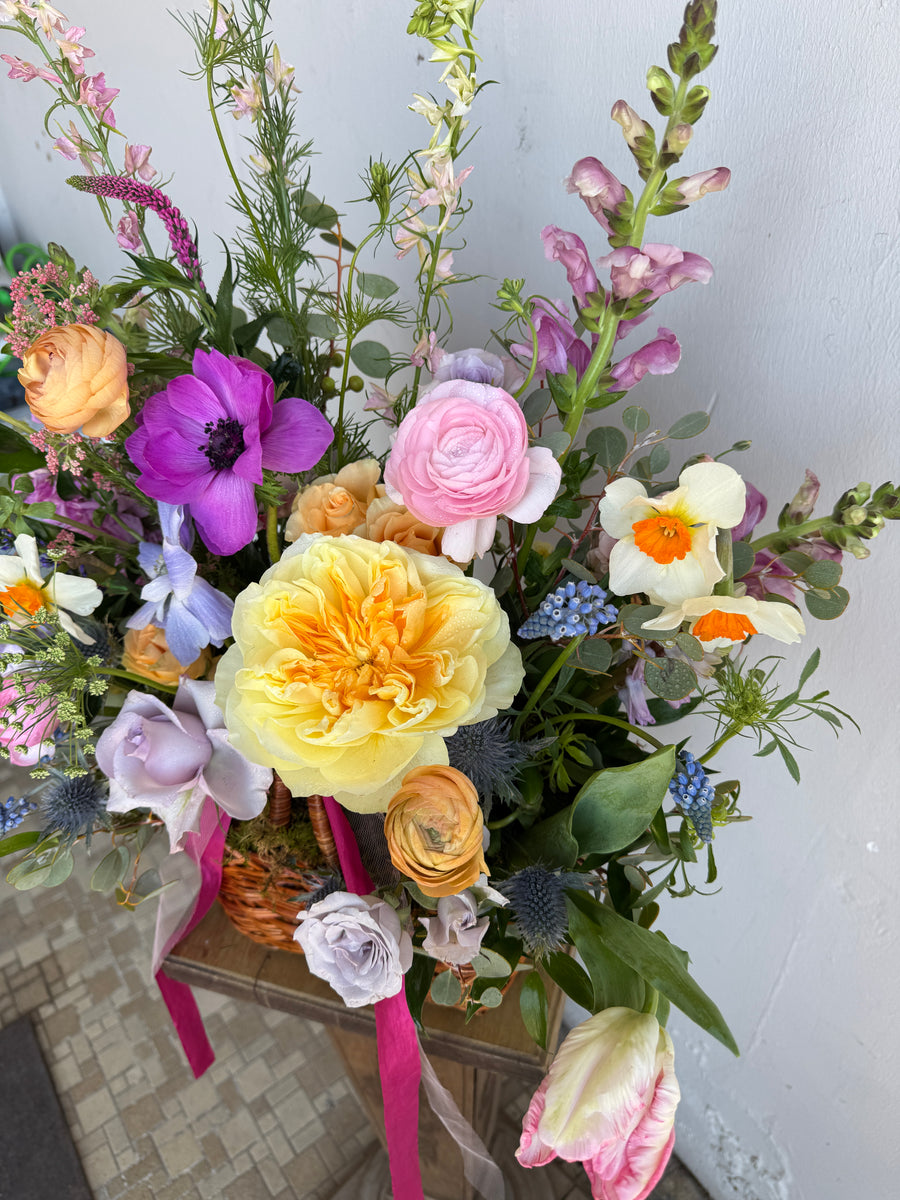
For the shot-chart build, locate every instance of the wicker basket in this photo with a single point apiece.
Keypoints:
(261, 898)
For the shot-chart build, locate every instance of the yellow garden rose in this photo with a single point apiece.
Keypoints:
(433, 829)
(76, 377)
(354, 660)
(146, 652)
(336, 503)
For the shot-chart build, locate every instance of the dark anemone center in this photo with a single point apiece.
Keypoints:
(226, 442)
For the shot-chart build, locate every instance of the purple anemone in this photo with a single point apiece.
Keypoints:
(205, 440)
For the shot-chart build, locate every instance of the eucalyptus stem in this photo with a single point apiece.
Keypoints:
(546, 679)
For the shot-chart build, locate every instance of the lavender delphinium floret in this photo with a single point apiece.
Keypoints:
(573, 609)
(120, 187)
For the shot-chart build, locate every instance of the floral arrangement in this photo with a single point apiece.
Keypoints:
(214, 585)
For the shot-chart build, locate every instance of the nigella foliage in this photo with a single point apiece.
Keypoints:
(71, 806)
(490, 757)
(537, 898)
(694, 794)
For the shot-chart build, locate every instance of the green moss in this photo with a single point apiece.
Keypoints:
(292, 845)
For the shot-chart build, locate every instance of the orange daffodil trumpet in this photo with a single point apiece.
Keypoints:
(24, 591)
(721, 621)
(666, 544)
(353, 660)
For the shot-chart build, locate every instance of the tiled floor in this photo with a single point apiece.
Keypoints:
(273, 1118)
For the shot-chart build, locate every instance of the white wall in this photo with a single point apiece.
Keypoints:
(794, 343)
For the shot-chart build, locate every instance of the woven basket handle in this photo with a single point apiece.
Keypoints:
(318, 818)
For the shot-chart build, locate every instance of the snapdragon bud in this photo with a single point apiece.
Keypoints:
(679, 139)
(632, 125)
(694, 187)
(662, 90)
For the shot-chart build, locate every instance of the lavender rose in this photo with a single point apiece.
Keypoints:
(454, 935)
(170, 759)
(356, 944)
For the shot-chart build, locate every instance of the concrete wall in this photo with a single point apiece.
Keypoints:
(793, 345)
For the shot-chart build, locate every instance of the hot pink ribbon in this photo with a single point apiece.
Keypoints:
(399, 1062)
(205, 848)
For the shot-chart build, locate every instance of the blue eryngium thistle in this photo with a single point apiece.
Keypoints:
(694, 794)
(13, 812)
(70, 806)
(537, 898)
(573, 609)
(331, 883)
(490, 757)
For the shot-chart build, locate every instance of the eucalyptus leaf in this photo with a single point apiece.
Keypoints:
(593, 655)
(533, 1006)
(110, 870)
(491, 997)
(826, 608)
(61, 867)
(446, 989)
(635, 616)
(689, 645)
(658, 962)
(742, 559)
(556, 442)
(617, 804)
(635, 418)
(795, 561)
(372, 358)
(341, 242)
(536, 404)
(609, 444)
(659, 459)
(487, 964)
(823, 574)
(669, 678)
(321, 325)
(690, 425)
(279, 331)
(379, 287)
(578, 570)
(317, 214)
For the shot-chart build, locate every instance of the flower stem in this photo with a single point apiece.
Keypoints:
(717, 745)
(617, 721)
(272, 544)
(142, 679)
(782, 538)
(546, 679)
(651, 187)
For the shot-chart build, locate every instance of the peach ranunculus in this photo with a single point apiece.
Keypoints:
(146, 652)
(336, 503)
(354, 660)
(76, 377)
(434, 829)
(390, 522)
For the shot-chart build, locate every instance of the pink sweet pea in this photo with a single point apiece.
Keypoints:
(608, 1102)
(659, 357)
(461, 458)
(73, 145)
(128, 232)
(598, 188)
(656, 268)
(570, 250)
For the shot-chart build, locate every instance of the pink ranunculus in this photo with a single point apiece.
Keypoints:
(26, 745)
(608, 1102)
(656, 268)
(659, 357)
(461, 458)
(598, 188)
(568, 249)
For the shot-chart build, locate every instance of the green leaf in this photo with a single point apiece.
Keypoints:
(617, 804)
(491, 997)
(317, 214)
(488, 964)
(690, 425)
(812, 664)
(535, 405)
(578, 570)
(148, 883)
(17, 454)
(321, 325)
(571, 977)
(635, 418)
(341, 243)
(279, 332)
(712, 871)
(225, 304)
(551, 841)
(742, 559)
(372, 358)
(823, 574)
(28, 874)
(614, 982)
(659, 459)
(826, 608)
(110, 870)
(789, 761)
(634, 616)
(379, 287)
(18, 841)
(446, 989)
(417, 981)
(561, 389)
(533, 1005)
(556, 442)
(60, 868)
(246, 336)
(657, 962)
(593, 655)
(795, 561)
(609, 444)
(669, 678)
(689, 646)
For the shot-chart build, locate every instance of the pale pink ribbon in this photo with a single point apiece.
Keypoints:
(181, 908)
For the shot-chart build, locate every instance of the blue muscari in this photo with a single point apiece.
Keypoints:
(573, 609)
(13, 812)
(694, 794)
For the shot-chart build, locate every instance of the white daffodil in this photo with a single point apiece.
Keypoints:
(24, 590)
(717, 621)
(667, 544)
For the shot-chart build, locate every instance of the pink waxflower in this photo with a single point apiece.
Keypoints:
(461, 458)
(598, 188)
(128, 232)
(693, 187)
(26, 71)
(95, 95)
(659, 357)
(26, 735)
(72, 49)
(657, 268)
(608, 1102)
(570, 250)
(137, 162)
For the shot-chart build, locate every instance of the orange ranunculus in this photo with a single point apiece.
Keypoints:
(434, 828)
(336, 504)
(76, 377)
(390, 522)
(146, 652)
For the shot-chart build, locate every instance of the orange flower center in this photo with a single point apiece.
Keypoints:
(25, 596)
(662, 537)
(716, 624)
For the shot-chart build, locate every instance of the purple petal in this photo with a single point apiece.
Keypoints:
(242, 389)
(225, 513)
(297, 438)
(180, 569)
(213, 608)
(185, 633)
